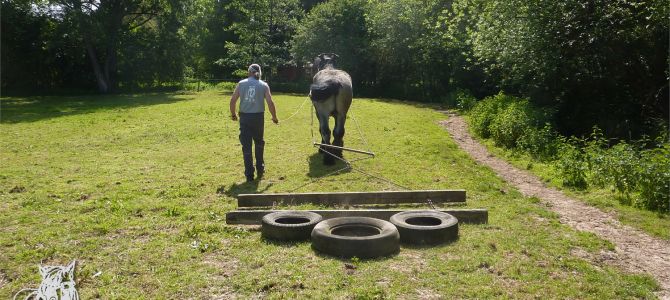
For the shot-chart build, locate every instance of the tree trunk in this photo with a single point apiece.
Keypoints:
(101, 79)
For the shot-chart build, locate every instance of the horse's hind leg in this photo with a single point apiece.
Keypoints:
(328, 159)
(338, 133)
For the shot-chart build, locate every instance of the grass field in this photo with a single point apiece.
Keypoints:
(136, 187)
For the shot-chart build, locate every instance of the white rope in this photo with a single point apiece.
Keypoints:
(297, 110)
(57, 283)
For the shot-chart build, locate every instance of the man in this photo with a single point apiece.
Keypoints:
(252, 91)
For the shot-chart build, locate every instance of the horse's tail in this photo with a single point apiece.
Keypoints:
(324, 90)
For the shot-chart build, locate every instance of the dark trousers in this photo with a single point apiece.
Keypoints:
(251, 130)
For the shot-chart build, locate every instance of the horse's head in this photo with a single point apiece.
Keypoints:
(324, 60)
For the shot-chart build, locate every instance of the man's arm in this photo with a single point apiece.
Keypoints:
(271, 105)
(233, 102)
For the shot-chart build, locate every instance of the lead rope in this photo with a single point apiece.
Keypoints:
(297, 110)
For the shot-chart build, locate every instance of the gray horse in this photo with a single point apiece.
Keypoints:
(331, 95)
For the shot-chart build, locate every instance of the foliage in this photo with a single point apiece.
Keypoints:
(338, 27)
(596, 61)
(637, 171)
(541, 143)
(484, 112)
(264, 30)
(571, 164)
(654, 178)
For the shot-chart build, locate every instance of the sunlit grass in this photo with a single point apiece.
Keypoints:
(137, 187)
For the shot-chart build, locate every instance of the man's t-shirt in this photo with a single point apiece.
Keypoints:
(252, 94)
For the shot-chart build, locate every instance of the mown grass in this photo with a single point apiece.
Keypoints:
(653, 223)
(137, 186)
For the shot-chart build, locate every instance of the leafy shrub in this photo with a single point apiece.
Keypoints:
(572, 164)
(639, 172)
(540, 143)
(483, 113)
(621, 169)
(511, 122)
(223, 86)
(654, 179)
(461, 99)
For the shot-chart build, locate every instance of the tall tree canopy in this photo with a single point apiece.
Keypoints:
(599, 62)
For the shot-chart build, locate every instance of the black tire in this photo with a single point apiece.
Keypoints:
(289, 225)
(361, 237)
(425, 227)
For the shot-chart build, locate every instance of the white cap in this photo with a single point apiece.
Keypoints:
(255, 69)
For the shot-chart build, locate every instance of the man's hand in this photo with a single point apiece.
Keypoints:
(275, 120)
(233, 117)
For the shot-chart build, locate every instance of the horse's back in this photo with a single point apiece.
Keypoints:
(333, 75)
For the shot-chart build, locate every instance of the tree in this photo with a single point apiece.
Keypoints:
(338, 27)
(264, 29)
(596, 62)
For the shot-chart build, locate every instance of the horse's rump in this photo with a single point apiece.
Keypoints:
(324, 90)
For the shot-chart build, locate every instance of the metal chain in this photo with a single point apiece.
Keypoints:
(430, 203)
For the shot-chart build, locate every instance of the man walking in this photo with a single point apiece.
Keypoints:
(252, 92)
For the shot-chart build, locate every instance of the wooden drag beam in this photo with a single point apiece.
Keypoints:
(351, 198)
(344, 149)
(253, 217)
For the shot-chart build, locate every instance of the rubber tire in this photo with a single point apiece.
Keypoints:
(273, 230)
(386, 243)
(446, 231)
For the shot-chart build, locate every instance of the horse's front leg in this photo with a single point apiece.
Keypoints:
(338, 133)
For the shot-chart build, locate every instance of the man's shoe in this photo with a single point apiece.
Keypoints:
(250, 179)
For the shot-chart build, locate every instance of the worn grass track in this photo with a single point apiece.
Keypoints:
(136, 187)
(635, 250)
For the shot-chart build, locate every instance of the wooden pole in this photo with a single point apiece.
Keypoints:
(352, 198)
(344, 149)
(253, 217)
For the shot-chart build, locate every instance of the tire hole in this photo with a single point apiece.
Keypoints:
(292, 220)
(423, 221)
(355, 230)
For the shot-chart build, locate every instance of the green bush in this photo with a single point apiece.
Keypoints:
(540, 143)
(483, 113)
(638, 172)
(621, 169)
(223, 86)
(572, 164)
(465, 101)
(511, 122)
(654, 179)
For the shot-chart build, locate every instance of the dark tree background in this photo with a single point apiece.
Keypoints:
(593, 62)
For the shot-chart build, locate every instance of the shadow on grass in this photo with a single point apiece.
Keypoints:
(428, 246)
(349, 260)
(37, 108)
(236, 189)
(285, 244)
(318, 169)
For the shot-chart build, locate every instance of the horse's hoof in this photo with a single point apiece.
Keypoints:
(328, 160)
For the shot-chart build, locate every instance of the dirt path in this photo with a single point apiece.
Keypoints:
(635, 250)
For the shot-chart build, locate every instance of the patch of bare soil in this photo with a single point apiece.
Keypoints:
(225, 268)
(635, 251)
